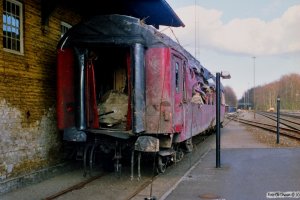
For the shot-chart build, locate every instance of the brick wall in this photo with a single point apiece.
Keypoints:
(29, 139)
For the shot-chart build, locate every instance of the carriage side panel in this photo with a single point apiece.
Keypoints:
(158, 91)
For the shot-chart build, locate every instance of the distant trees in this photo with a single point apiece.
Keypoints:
(230, 97)
(287, 87)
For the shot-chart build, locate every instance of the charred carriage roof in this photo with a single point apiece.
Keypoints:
(115, 29)
(120, 30)
(123, 30)
(109, 29)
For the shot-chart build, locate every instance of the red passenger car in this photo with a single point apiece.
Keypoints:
(124, 86)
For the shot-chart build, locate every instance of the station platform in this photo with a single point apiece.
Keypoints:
(250, 170)
(245, 174)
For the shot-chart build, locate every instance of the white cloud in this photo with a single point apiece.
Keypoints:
(251, 36)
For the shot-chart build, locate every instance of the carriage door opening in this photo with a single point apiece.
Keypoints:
(178, 95)
(113, 91)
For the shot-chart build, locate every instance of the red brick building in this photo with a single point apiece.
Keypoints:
(28, 136)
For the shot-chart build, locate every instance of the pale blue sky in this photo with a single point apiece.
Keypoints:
(264, 9)
(230, 32)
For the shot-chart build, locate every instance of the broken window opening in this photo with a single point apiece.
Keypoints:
(177, 77)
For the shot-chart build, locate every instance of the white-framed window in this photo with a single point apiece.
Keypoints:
(64, 27)
(13, 26)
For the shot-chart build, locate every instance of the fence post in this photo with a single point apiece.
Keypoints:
(278, 116)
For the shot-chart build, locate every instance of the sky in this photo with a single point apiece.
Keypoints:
(226, 35)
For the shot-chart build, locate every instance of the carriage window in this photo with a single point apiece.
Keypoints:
(184, 84)
(191, 73)
(177, 77)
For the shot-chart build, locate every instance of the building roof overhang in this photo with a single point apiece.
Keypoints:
(152, 12)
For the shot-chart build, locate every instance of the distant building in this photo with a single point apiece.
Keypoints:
(230, 109)
(244, 106)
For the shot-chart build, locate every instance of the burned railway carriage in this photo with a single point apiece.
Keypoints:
(124, 86)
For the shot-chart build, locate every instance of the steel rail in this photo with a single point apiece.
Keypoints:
(74, 187)
(272, 117)
(287, 132)
(142, 187)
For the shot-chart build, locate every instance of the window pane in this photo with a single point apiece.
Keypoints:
(4, 42)
(18, 46)
(13, 9)
(9, 43)
(8, 8)
(13, 44)
(13, 21)
(8, 19)
(8, 29)
(17, 10)
(17, 22)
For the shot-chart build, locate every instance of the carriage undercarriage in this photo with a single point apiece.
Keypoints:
(114, 147)
(115, 143)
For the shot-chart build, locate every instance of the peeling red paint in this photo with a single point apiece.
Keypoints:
(65, 106)
(170, 111)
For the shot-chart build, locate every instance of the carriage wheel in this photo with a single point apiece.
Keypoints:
(179, 155)
(161, 164)
(189, 145)
(85, 158)
(92, 159)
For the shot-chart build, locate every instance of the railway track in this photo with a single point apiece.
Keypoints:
(293, 133)
(77, 186)
(142, 187)
(291, 121)
(229, 118)
(293, 115)
(136, 186)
